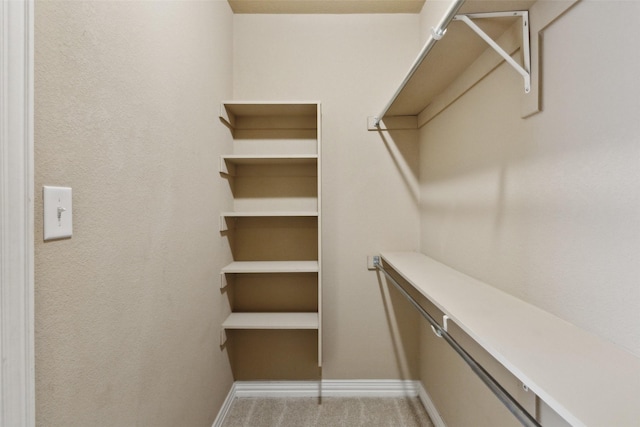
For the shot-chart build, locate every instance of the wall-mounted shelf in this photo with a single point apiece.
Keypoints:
(271, 321)
(227, 219)
(586, 380)
(449, 52)
(249, 115)
(271, 267)
(229, 163)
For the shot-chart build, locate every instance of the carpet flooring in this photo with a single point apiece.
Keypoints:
(327, 412)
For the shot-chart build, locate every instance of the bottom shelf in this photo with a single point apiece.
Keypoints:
(271, 321)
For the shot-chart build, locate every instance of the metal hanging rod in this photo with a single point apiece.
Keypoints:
(512, 405)
(440, 30)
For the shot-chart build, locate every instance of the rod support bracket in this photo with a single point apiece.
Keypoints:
(438, 33)
(445, 327)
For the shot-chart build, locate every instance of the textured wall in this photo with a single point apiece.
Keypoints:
(352, 64)
(546, 208)
(128, 310)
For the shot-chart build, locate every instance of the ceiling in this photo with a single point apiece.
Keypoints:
(326, 6)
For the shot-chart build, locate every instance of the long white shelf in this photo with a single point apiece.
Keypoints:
(271, 267)
(586, 380)
(442, 60)
(271, 321)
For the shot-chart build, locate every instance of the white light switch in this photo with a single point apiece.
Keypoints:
(57, 212)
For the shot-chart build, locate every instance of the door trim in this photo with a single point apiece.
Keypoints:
(17, 382)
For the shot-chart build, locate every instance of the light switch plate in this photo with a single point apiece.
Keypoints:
(58, 212)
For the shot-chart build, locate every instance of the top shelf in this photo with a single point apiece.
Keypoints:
(450, 56)
(252, 115)
(586, 380)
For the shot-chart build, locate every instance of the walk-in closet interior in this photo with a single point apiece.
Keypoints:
(434, 199)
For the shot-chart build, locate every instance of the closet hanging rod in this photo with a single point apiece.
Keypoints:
(436, 34)
(507, 400)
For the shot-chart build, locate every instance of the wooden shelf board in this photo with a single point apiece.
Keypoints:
(226, 216)
(586, 380)
(271, 321)
(271, 115)
(268, 214)
(452, 55)
(278, 108)
(272, 267)
(240, 159)
(229, 163)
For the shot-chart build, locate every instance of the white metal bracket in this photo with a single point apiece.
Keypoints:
(445, 326)
(525, 70)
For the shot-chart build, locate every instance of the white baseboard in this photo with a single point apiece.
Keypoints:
(226, 406)
(430, 407)
(329, 388)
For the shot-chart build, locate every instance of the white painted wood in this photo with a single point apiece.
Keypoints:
(269, 115)
(226, 407)
(226, 216)
(481, 67)
(240, 159)
(449, 57)
(458, 61)
(326, 7)
(586, 380)
(17, 384)
(430, 407)
(271, 267)
(286, 134)
(271, 321)
(266, 214)
(319, 207)
(229, 163)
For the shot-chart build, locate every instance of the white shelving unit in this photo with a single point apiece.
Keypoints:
(275, 227)
(586, 380)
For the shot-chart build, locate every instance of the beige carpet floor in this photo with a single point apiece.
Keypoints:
(327, 412)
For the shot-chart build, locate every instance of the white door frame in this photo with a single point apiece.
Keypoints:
(17, 384)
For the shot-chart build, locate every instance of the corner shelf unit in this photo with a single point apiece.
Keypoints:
(274, 229)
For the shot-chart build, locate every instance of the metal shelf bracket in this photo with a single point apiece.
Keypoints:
(525, 70)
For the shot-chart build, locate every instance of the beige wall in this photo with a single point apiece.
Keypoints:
(545, 208)
(352, 64)
(128, 310)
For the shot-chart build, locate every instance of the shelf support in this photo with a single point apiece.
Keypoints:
(525, 71)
